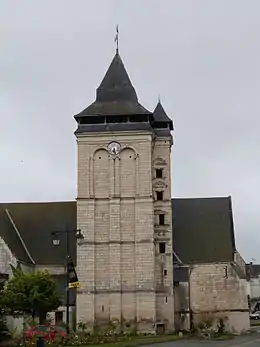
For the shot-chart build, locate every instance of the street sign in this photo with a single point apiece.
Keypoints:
(73, 278)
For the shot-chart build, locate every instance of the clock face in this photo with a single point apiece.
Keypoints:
(114, 148)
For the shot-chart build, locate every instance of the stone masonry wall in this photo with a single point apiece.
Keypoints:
(163, 231)
(217, 289)
(240, 262)
(115, 213)
(6, 258)
(181, 306)
(254, 288)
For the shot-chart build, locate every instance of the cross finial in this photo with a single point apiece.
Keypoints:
(117, 38)
(159, 98)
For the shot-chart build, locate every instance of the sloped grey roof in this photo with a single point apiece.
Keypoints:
(116, 84)
(9, 235)
(35, 222)
(160, 116)
(115, 95)
(203, 230)
(180, 273)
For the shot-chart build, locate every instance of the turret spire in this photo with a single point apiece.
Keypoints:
(160, 117)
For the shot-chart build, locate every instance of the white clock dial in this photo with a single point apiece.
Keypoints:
(114, 148)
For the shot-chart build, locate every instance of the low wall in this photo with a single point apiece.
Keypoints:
(16, 325)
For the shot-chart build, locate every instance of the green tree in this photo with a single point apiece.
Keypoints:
(35, 293)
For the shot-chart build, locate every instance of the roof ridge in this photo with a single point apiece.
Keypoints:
(202, 198)
(36, 202)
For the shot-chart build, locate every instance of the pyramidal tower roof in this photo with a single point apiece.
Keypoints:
(160, 116)
(116, 94)
(116, 84)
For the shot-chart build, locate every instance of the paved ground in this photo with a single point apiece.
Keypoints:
(250, 341)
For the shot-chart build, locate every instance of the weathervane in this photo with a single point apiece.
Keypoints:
(117, 38)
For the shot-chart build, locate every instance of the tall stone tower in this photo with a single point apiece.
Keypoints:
(124, 263)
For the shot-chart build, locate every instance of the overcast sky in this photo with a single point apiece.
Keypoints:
(201, 56)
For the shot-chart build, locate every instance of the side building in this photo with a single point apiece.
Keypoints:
(209, 273)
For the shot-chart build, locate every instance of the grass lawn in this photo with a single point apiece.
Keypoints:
(138, 341)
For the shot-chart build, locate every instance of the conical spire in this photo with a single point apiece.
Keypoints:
(115, 95)
(116, 85)
(160, 116)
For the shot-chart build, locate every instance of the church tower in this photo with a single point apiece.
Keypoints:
(124, 263)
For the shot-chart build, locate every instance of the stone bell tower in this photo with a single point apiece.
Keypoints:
(124, 263)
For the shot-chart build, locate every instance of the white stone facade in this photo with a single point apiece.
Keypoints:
(123, 276)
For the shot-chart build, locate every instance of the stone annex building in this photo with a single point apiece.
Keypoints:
(146, 260)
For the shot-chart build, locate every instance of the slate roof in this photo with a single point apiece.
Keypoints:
(8, 233)
(35, 222)
(180, 273)
(160, 116)
(115, 95)
(203, 230)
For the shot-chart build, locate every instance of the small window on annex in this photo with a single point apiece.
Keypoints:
(159, 195)
(162, 247)
(161, 219)
(159, 173)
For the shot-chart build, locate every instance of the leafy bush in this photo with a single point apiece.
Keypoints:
(34, 293)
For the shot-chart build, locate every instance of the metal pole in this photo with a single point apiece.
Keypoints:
(67, 283)
(189, 298)
(67, 232)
